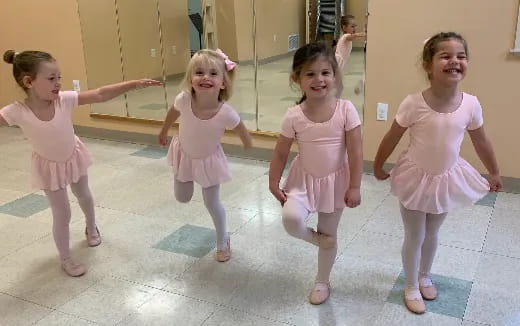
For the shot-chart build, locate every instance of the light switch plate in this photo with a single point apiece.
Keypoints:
(382, 111)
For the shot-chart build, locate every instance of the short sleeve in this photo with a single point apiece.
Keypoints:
(182, 101)
(288, 126)
(69, 99)
(352, 117)
(477, 119)
(406, 116)
(11, 114)
(232, 118)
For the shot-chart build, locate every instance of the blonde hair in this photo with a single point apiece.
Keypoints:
(211, 58)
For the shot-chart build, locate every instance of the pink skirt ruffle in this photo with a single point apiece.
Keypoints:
(318, 194)
(459, 186)
(51, 175)
(208, 171)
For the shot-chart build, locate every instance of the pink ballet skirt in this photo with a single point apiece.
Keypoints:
(318, 194)
(206, 171)
(459, 186)
(51, 175)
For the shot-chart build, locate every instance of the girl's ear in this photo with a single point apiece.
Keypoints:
(427, 66)
(294, 78)
(27, 81)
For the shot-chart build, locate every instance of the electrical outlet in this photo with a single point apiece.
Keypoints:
(382, 111)
(274, 38)
(75, 85)
(153, 53)
(174, 50)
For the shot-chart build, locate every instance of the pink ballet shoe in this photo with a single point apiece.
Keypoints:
(322, 240)
(414, 301)
(320, 293)
(224, 255)
(73, 269)
(427, 289)
(93, 240)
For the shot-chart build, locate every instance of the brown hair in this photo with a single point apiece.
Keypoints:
(345, 20)
(211, 57)
(26, 63)
(309, 53)
(430, 46)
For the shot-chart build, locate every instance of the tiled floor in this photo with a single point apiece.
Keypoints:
(156, 267)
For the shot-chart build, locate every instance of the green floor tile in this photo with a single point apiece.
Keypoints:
(451, 301)
(25, 206)
(151, 152)
(190, 240)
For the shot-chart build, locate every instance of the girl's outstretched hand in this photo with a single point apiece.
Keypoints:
(355, 36)
(143, 83)
(495, 182)
(353, 197)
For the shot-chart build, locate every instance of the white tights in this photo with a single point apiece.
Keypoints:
(184, 193)
(60, 206)
(420, 243)
(294, 216)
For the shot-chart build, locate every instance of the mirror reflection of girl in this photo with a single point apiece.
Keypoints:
(344, 45)
(59, 158)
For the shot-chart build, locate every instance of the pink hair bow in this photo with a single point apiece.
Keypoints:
(230, 65)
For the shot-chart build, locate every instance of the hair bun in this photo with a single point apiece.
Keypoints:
(9, 56)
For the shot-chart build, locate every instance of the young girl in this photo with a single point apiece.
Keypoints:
(319, 179)
(59, 158)
(343, 46)
(430, 179)
(196, 155)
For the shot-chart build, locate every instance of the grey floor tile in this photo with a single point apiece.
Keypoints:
(489, 200)
(25, 206)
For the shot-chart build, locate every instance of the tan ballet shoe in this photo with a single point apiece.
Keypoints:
(224, 255)
(320, 293)
(414, 301)
(93, 240)
(73, 269)
(427, 289)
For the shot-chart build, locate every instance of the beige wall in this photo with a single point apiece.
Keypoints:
(51, 26)
(270, 21)
(175, 32)
(139, 33)
(395, 38)
(226, 31)
(244, 29)
(100, 42)
(139, 28)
